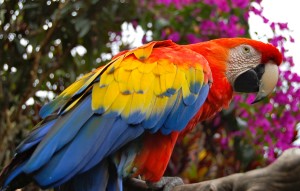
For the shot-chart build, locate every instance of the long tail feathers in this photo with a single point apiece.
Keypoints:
(102, 177)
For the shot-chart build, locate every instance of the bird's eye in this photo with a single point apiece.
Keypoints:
(246, 49)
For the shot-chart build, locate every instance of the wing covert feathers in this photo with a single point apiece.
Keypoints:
(145, 84)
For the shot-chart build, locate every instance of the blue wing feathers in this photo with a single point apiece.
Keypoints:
(35, 137)
(71, 156)
(195, 87)
(190, 110)
(122, 134)
(13, 174)
(63, 131)
(171, 121)
(190, 99)
(165, 114)
(82, 154)
(182, 113)
(51, 107)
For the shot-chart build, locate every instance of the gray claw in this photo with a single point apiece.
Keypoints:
(167, 183)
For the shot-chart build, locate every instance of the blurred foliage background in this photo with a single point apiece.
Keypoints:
(47, 45)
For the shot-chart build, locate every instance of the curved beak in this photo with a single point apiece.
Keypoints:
(268, 81)
(261, 79)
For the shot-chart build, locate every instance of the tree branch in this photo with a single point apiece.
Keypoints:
(283, 174)
(37, 58)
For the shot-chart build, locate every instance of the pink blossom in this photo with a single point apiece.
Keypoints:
(267, 108)
(175, 36)
(283, 26)
(191, 38)
(292, 39)
(295, 77)
(272, 25)
(265, 19)
(240, 3)
(250, 98)
(256, 11)
(221, 4)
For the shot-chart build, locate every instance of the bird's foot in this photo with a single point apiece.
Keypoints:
(166, 183)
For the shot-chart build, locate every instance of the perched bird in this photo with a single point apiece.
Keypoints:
(122, 120)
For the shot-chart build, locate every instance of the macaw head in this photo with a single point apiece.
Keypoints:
(249, 65)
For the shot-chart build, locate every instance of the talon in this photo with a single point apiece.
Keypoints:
(165, 183)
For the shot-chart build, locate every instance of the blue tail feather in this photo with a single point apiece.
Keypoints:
(68, 160)
(96, 179)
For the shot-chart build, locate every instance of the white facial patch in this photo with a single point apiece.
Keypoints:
(241, 59)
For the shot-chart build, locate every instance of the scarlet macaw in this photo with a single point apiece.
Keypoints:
(122, 120)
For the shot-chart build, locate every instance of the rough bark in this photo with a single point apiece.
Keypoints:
(283, 174)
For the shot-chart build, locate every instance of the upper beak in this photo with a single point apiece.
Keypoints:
(268, 81)
(261, 79)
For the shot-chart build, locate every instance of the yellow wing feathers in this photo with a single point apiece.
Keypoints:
(145, 80)
(140, 83)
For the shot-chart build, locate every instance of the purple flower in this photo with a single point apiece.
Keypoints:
(240, 3)
(244, 114)
(280, 98)
(265, 20)
(246, 16)
(165, 2)
(208, 27)
(283, 26)
(287, 75)
(272, 25)
(288, 121)
(268, 139)
(179, 4)
(297, 117)
(271, 154)
(175, 36)
(256, 11)
(295, 78)
(250, 98)
(221, 4)
(191, 38)
(290, 60)
(224, 142)
(277, 40)
(237, 98)
(267, 108)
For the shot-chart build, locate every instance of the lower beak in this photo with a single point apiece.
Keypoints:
(261, 79)
(268, 81)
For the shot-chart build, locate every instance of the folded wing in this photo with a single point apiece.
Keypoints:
(157, 87)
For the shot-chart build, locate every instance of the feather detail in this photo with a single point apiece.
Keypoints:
(143, 52)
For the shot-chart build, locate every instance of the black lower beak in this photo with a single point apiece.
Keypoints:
(249, 81)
